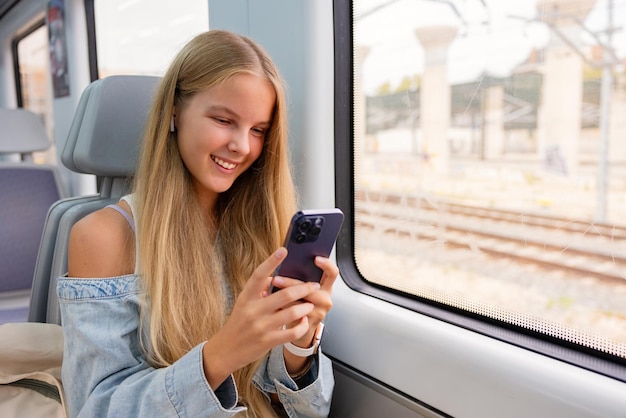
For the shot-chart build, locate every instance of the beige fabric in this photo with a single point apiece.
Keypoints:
(30, 351)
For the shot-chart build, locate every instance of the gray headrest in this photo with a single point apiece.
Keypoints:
(106, 133)
(21, 131)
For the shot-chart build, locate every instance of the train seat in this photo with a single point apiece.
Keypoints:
(104, 140)
(27, 190)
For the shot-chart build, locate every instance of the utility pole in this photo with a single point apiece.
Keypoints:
(605, 119)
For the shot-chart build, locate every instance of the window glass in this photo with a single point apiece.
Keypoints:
(490, 165)
(34, 69)
(142, 36)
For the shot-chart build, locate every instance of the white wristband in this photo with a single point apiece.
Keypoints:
(306, 352)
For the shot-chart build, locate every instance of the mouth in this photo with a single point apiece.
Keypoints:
(224, 164)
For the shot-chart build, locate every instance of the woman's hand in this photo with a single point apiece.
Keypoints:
(321, 300)
(256, 323)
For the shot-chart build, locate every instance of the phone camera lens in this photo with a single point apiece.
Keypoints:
(304, 225)
(308, 229)
(300, 238)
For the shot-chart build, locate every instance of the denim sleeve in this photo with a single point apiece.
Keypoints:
(310, 401)
(104, 372)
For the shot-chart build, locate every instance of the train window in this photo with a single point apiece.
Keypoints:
(142, 36)
(34, 85)
(489, 161)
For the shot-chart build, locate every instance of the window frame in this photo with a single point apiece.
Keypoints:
(92, 51)
(19, 96)
(584, 357)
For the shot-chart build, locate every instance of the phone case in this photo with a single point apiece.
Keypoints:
(311, 233)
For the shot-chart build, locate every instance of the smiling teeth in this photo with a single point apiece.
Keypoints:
(224, 164)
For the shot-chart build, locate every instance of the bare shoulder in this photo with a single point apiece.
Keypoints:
(101, 245)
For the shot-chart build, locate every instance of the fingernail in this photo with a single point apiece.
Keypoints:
(278, 281)
(281, 252)
(316, 285)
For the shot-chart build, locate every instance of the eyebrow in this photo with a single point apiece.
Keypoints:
(222, 108)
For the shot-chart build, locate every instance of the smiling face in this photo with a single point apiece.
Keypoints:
(221, 131)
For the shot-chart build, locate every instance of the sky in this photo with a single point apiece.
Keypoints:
(493, 36)
(143, 36)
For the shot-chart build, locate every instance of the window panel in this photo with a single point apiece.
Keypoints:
(143, 36)
(490, 174)
(35, 84)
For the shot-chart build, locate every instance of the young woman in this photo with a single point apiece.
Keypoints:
(166, 309)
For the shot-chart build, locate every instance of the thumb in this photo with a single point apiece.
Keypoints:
(259, 280)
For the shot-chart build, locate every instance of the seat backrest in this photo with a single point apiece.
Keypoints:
(26, 193)
(21, 132)
(27, 190)
(104, 140)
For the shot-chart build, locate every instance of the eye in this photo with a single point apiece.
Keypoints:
(221, 121)
(259, 132)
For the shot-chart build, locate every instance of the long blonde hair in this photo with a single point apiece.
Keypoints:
(185, 255)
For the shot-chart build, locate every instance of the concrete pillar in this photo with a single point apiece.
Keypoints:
(360, 108)
(617, 130)
(361, 140)
(435, 94)
(493, 122)
(559, 118)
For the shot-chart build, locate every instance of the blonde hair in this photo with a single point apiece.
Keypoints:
(184, 254)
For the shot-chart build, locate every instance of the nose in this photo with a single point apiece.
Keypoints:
(239, 142)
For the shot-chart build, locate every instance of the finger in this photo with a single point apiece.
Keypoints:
(331, 271)
(291, 315)
(296, 291)
(258, 282)
(295, 331)
(319, 299)
(282, 282)
(289, 324)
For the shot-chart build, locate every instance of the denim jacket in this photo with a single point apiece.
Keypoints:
(105, 374)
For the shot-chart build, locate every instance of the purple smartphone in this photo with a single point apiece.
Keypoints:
(311, 233)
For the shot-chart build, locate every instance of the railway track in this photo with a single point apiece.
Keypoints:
(580, 248)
